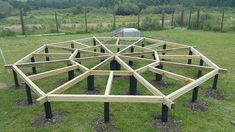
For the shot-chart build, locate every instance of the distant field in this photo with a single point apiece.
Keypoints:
(219, 47)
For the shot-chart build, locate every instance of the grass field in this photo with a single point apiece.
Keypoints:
(219, 47)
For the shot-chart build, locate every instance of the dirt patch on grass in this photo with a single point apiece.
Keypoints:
(23, 102)
(41, 121)
(95, 91)
(214, 93)
(101, 126)
(160, 84)
(172, 125)
(3, 85)
(197, 106)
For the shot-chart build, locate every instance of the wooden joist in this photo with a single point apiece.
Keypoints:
(179, 57)
(50, 54)
(121, 51)
(173, 49)
(138, 53)
(171, 75)
(107, 72)
(136, 58)
(59, 47)
(109, 84)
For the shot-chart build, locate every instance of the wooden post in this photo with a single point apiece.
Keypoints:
(114, 21)
(90, 83)
(163, 17)
(70, 73)
(214, 85)
(164, 117)
(33, 68)
(131, 62)
(56, 22)
(172, 19)
(158, 77)
(47, 107)
(222, 21)
(16, 79)
(190, 60)
(138, 22)
(133, 86)
(182, 18)
(22, 21)
(47, 51)
(86, 22)
(106, 112)
(29, 95)
(189, 20)
(198, 19)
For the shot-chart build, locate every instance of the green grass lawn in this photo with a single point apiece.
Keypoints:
(219, 47)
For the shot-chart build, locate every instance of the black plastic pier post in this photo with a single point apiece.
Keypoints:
(142, 45)
(16, 79)
(131, 62)
(47, 107)
(29, 95)
(190, 60)
(195, 93)
(133, 86)
(106, 112)
(94, 43)
(90, 83)
(158, 77)
(164, 47)
(199, 74)
(70, 73)
(47, 51)
(164, 117)
(214, 85)
(33, 68)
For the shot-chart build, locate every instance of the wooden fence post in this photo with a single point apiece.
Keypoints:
(172, 19)
(163, 17)
(56, 22)
(222, 21)
(189, 20)
(138, 22)
(86, 22)
(182, 19)
(114, 21)
(198, 19)
(22, 21)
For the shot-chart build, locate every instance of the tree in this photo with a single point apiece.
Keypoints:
(5, 9)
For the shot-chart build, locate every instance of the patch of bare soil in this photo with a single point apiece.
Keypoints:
(160, 84)
(23, 102)
(41, 121)
(3, 85)
(214, 93)
(101, 126)
(172, 125)
(95, 91)
(197, 106)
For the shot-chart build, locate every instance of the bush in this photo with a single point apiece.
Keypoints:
(126, 9)
(151, 24)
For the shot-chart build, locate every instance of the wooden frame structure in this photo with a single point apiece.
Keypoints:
(72, 51)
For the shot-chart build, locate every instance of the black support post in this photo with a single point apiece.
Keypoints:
(90, 83)
(199, 74)
(164, 47)
(29, 95)
(47, 51)
(70, 73)
(94, 43)
(131, 62)
(133, 86)
(102, 51)
(214, 85)
(106, 112)
(195, 93)
(164, 117)
(33, 68)
(159, 76)
(190, 60)
(16, 79)
(142, 45)
(113, 65)
(47, 107)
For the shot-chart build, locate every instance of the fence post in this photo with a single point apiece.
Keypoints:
(163, 17)
(114, 21)
(182, 19)
(172, 19)
(138, 24)
(22, 21)
(198, 19)
(86, 22)
(189, 20)
(222, 21)
(56, 22)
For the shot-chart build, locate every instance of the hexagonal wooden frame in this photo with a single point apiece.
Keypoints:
(120, 56)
